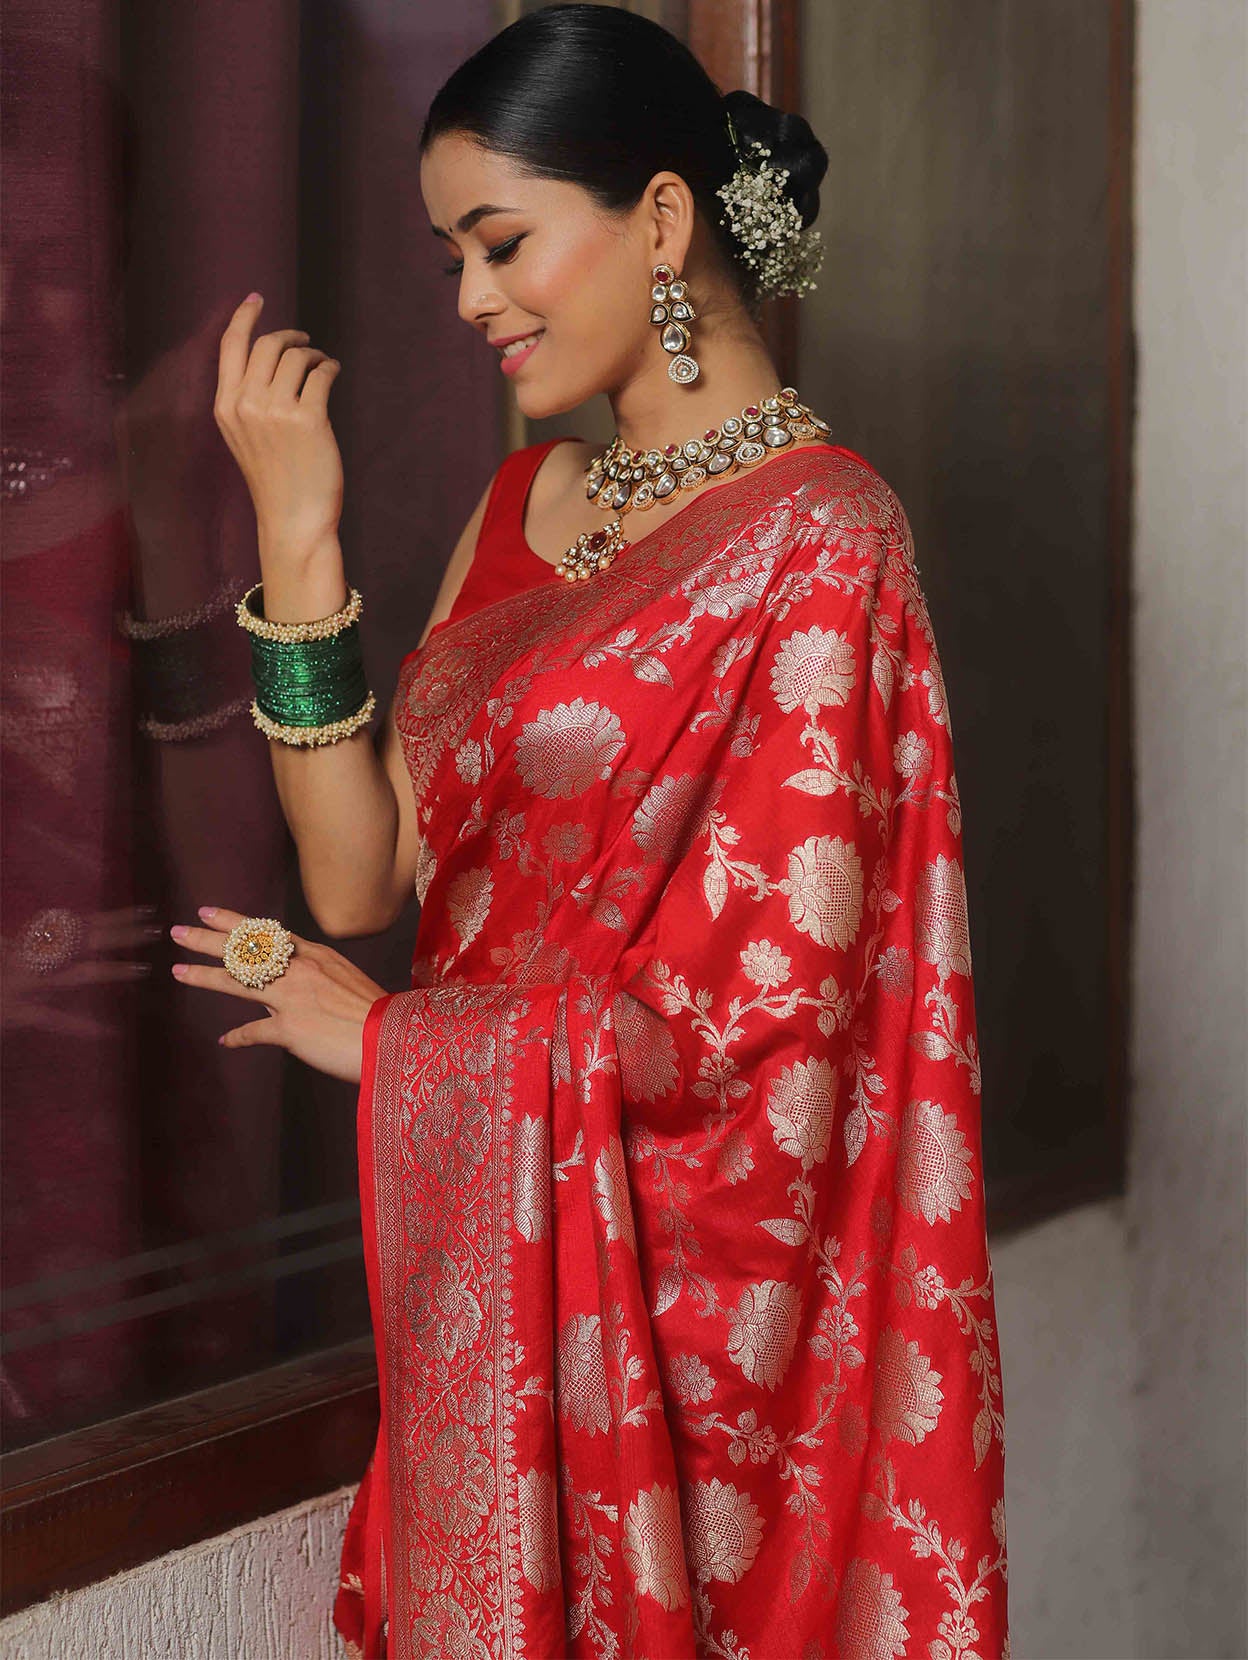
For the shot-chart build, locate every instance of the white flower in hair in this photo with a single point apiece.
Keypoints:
(784, 257)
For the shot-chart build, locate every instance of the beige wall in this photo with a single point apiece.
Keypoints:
(1186, 1211)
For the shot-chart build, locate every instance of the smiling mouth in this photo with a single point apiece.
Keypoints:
(518, 346)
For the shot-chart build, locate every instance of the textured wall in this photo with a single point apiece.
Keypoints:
(263, 1592)
(1186, 1199)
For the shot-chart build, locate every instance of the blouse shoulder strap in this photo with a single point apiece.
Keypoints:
(505, 508)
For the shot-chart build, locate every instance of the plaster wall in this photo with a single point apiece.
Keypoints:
(263, 1591)
(1186, 1199)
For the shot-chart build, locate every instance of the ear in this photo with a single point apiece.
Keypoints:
(671, 215)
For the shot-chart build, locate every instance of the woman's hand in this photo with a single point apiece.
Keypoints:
(272, 408)
(316, 1009)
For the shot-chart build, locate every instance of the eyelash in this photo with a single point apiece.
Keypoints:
(494, 257)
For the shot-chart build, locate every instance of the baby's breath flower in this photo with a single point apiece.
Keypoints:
(784, 257)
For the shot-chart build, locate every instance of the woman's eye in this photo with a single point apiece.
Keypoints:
(496, 256)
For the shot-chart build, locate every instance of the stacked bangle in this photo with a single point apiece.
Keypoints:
(310, 686)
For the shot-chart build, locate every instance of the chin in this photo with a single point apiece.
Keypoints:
(539, 403)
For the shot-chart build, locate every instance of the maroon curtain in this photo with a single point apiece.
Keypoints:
(175, 1215)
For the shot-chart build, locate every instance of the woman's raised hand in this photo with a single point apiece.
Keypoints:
(272, 408)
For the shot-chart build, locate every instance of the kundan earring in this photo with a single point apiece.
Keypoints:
(671, 312)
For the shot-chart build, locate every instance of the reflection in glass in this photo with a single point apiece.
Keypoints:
(176, 1215)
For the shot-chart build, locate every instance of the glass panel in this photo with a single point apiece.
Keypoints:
(176, 1214)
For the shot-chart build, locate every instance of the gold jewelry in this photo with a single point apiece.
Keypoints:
(313, 737)
(671, 311)
(592, 551)
(257, 950)
(310, 686)
(622, 478)
(287, 634)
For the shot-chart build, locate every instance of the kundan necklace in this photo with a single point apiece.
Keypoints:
(622, 478)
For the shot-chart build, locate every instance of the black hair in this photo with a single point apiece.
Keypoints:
(605, 99)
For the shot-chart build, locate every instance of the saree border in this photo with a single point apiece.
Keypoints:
(467, 1013)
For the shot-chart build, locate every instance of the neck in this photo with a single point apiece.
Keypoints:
(651, 409)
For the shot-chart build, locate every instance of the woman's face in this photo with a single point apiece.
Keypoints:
(554, 264)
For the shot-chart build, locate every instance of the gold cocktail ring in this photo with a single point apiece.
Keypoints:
(257, 951)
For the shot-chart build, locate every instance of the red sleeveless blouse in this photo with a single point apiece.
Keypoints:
(503, 563)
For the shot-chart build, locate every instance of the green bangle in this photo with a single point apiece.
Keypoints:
(310, 684)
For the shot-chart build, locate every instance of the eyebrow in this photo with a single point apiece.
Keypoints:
(466, 221)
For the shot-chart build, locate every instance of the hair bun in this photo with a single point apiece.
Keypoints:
(792, 143)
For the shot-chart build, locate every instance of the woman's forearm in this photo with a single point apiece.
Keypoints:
(337, 799)
(272, 408)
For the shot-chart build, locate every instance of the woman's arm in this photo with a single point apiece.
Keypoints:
(350, 808)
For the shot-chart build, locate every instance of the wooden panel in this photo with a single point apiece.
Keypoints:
(971, 337)
(84, 1506)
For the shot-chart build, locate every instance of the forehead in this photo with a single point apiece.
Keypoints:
(458, 174)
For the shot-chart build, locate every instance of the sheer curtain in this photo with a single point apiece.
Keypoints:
(175, 1215)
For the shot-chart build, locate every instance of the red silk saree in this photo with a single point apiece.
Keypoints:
(670, 1157)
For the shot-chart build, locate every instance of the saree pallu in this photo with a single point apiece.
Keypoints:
(670, 1157)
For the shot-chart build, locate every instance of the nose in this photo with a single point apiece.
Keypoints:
(476, 305)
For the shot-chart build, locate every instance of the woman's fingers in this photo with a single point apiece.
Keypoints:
(204, 940)
(235, 345)
(215, 917)
(220, 979)
(294, 363)
(258, 1031)
(258, 376)
(315, 394)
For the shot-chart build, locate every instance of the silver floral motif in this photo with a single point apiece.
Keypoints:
(725, 1531)
(762, 1331)
(935, 1167)
(814, 669)
(581, 1375)
(568, 747)
(612, 1196)
(871, 1618)
(654, 1546)
(801, 1106)
(539, 1529)
(906, 1399)
(943, 934)
(825, 890)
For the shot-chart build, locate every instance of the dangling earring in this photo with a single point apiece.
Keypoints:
(671, 312)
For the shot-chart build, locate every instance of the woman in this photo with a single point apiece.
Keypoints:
(670, 1156)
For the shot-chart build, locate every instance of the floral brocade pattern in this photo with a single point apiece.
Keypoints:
(671, 1157)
